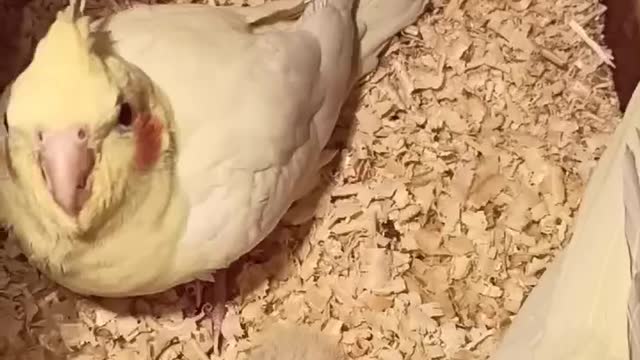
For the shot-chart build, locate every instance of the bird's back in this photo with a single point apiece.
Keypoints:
(244, 106)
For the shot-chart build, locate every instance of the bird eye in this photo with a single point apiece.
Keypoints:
(125, 116)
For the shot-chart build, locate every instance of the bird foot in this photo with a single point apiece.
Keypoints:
(217, 318)
(219, 310)
(212, 303)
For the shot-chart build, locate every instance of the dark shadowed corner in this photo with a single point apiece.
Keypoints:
(10, 19)
(622, 35)
(22, 24)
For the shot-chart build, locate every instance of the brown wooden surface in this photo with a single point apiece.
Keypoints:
(10, 56)
(622, 35)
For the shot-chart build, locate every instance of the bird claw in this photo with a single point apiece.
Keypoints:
(215, 309)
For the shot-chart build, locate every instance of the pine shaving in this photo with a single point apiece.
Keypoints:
(461, 163)
(606, 57)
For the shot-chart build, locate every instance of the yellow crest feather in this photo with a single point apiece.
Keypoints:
(66, 83)
(67, 41)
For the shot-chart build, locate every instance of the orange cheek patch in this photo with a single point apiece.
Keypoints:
(147, 132)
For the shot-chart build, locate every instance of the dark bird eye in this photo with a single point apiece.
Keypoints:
(125, 117)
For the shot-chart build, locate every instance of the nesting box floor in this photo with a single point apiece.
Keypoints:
(462, 162)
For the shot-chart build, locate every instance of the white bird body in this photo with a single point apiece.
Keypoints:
(243, 120)
(240, 157)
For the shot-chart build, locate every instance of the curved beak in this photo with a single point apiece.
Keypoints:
(66, 162)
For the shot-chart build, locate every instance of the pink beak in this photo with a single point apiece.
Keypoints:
(66, 162)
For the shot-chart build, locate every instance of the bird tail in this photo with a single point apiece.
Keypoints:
(287, 342)
(332, 23)
(378, 21)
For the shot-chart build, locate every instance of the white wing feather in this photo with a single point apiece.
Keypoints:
(246, 130)
(257, 112)
(631, 190)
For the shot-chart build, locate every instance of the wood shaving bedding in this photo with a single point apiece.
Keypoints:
(462, 162)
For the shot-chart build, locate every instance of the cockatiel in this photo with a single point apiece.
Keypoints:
(164, 142)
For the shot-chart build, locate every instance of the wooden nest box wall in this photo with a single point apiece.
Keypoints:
(622, 35)
(10, 52)
(22, 24)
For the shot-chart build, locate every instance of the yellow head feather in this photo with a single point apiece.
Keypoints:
(66, 82)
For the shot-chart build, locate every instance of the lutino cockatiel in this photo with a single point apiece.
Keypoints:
(157, 145)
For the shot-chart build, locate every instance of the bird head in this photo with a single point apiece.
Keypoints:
(84, 126)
